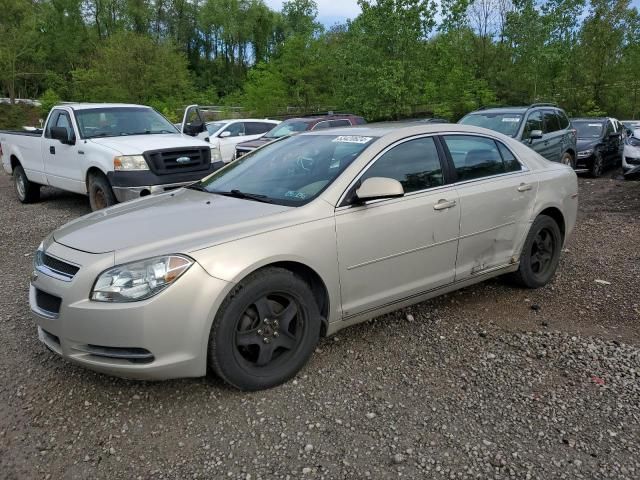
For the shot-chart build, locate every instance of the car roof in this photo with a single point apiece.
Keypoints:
(592, 119)
(314, 118)
(229, 120)
(383, 129)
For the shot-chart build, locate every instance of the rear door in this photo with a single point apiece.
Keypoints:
(553, 135)
(392, 249)
(496, 195)
(63, 162)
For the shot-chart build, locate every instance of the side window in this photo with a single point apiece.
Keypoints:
(474, 157)
(53, 121)
(414, 163)
(551, 123)
(511, 164)
(63, 121)
(257, 128)
(564, 121)
(534, 122)
(610, 129)
(340, 123)
(236, 129)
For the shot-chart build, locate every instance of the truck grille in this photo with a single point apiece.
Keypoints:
(178, 160)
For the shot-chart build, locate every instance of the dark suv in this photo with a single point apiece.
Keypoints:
(542, 126)
(600, 143)
(300, 124)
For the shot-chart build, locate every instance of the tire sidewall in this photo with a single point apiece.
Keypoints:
(571, 160)
(597, 159)
(99, 182)
(532, 279)
(222, 349)
(18, 173)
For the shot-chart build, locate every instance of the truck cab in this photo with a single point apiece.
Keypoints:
(110, 152)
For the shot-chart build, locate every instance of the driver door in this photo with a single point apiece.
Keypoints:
(62, 162)
(229, 138)
(390, 250)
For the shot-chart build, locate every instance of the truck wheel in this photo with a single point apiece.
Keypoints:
(100, 193)
(26, 190)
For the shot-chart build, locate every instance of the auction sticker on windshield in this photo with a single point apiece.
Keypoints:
(352, 139)
(510, 119)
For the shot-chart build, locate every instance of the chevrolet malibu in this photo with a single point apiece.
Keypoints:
(243, 272)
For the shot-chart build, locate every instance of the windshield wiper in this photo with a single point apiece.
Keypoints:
(197, 186)
(246, 196)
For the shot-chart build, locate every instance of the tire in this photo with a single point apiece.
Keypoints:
(540, 254)
(597, 166)
(100, 192)
(567, 159)
(27, 191)
(250, 353)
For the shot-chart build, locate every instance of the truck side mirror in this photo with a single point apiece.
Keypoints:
(62, 134)
(194, 128)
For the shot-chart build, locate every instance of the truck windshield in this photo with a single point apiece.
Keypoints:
(292, 171)
(505, 123)
(120, 121)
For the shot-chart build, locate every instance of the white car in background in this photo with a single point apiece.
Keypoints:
(631, 156)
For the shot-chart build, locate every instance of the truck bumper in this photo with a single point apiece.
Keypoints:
(131, 185)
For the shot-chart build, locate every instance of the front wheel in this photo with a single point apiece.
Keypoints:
(265, 330)
(100, 192)
(540, 254)
(26, 190)
(597, 167)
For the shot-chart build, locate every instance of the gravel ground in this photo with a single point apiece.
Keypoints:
(488, 382)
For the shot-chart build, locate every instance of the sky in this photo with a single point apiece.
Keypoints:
(329, 11)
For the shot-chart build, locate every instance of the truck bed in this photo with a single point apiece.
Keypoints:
(26, 133)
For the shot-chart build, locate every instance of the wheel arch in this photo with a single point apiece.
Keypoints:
(14, 161)
(92, 170)
(556, 214)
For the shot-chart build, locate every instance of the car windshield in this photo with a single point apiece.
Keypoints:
(506, 123)
(588, 129)
(287, 128)
(292, 171)
(213, 127)
(121, 121)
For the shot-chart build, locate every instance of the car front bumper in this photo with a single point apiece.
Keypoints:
(135, 184)
(163, 337)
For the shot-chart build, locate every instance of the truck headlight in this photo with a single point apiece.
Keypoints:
(585, 153)
(130, 162)
(215, 154)
(136, 281)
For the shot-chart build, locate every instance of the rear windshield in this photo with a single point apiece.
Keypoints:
(588, 129)
(505, 123)
(287, 128)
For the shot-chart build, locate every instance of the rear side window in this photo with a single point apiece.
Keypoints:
(564, 120)
(321, 125)
(340, 123)
(414, 163)
(257, 128)
(534, 122)
(477, 157)
(551, 121)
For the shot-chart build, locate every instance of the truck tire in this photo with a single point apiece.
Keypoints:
(27, 191)
(100, 193)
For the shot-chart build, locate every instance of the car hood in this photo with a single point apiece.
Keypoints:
(258, 142)
(586, 143)
(180, 221)
(138, 144)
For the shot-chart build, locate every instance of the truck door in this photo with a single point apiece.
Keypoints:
(63, 160)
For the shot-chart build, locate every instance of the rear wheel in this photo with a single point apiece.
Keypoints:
(265, 330)
(100, 193)
(540, 254)
(26, 190)
(567, 159)
(597, 167)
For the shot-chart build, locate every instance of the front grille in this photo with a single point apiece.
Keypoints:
(47, 302)
(165, 162)
(632, 161)
(59, 266)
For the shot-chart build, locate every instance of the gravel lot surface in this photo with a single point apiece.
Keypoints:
(488, 382)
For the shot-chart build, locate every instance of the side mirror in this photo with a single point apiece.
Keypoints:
(535, 135)
(193, 129)
(225, 134)
(62, 134)
(375, 188)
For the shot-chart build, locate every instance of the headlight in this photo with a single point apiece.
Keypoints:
(215, 154)
(136, 281)
(38, 257)
(130, 162)
(585, 153)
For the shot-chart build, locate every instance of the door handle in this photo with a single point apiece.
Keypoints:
(523, 187)
(52, 150)
(444, 204)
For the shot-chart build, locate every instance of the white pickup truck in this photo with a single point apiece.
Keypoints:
(110, 152)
